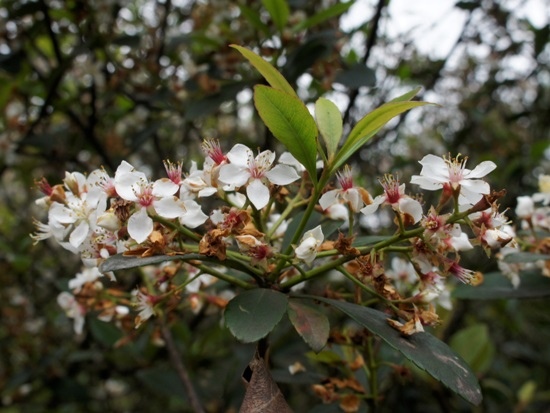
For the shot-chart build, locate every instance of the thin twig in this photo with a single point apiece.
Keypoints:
(175, 358)
(371, 40)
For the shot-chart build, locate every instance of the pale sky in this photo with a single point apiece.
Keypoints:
(435, 25)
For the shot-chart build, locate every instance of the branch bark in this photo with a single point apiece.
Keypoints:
(371, 41)
(175, 358)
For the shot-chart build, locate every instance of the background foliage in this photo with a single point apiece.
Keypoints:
(84, 84)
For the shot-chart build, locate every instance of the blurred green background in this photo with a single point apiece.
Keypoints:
(85, 84)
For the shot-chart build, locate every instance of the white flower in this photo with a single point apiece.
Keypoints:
(73, 310)
(354, 197)
(451, 173)
(403, 272)
(254, 172)
(525, 207)
(394, 195)
(88, 275)
(193, 215)
(198, 183)
(312, 239)
(144, 303)
(457, 239)
(79, 215)
(158, 197)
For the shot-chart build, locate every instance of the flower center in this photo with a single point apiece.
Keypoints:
(145, 197)
(456, 170)
(391, 188)
(173, 171)
(345, 178)
(214, 151)
(256, 170)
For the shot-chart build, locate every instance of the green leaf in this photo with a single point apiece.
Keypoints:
(312, 325)
(333, 11)
(253, 18)
(253, 314)
(163, 381)
(497, 286)
(329, 122)
(290, 122)
(356, 76)
(367, 127)
(106, 333)
(123, 262)
(272, 75)
(407, 96)
(279, 11)
(525, 257)
(474, 344)
(423, 349)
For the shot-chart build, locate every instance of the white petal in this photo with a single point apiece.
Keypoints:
(461, 243)
(240, 155)
(258, 193)
(60, 214)
(194, 215)
(233, 175)
(476, 185)
(208, 191)
(428, 183)
(126, 185)
(411, 207)
(282, 175)
(482, 169)
(525, 206)
(316, 233)
(123, 168)
(354, 198)
(140, 225)
(371, 208)
(265, 159)
(164, 187)
(79, 234)
(171, 207)
(432, 161)
(307, 250)
(288, 159)
(329, 198)
(472, 191)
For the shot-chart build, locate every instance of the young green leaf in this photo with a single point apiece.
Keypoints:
(367, 127)
(312, 325)
(253, 314)
(423, 349)
(329, 122)
(279, 11)
(272, 75)
(474, 344)
(290, 122)
(407, 96)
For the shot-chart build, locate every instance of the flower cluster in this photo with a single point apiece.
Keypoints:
(266, 221)
(532, 234)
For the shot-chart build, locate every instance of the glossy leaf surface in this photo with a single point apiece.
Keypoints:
(312, 325)
(253, 314)
(290, 122)
(423, 349)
